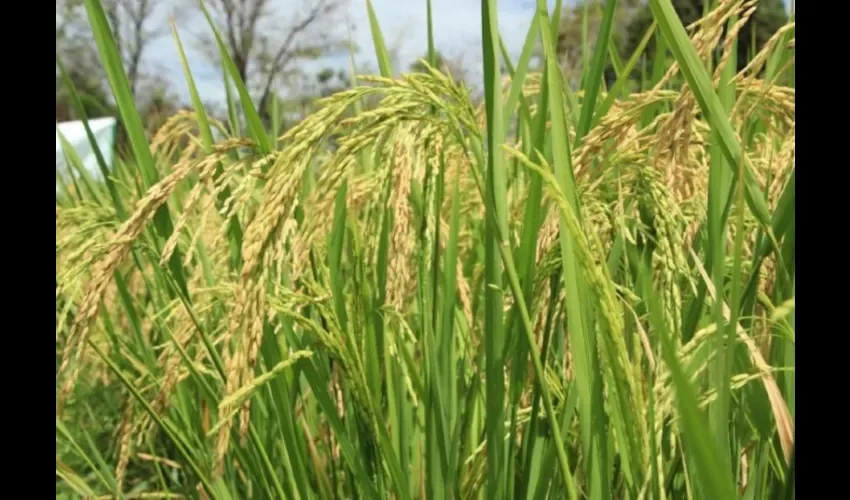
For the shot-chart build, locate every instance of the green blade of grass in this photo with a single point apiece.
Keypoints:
(335, 247)
(255, 123)
(440, 409)
(64, 197)
(77, 483)
(783, 221)
(133, 124)
(496, 225)
(101, 162)
(725, 389)
(594, 76)
(547, 464)
(329, 408)
(592, 418)
(616, 61)
(432, 54)
(624, 76)
(448, 315)
(535, 443)
(233, 122)
(121, 89)
(294, 446)
(384, 62)
(532, 219)
(234, 231)
(75, 162)
(197, 104)
(518, 75)
(719, 182)
(714, 482)
(103, 474)
(168, 429)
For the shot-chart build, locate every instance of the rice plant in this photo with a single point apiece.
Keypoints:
(559, 293)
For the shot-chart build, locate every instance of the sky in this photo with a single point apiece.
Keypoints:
(457, 32)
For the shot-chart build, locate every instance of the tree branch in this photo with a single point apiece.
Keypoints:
(285, 53)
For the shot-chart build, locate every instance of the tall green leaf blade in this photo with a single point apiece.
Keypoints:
(255, 123)
(101, 162)
(519, 74)
(496, 225)
(384, 61)
(588, 378)
(594, 76)
(720, 179)
(113, 66)
(714, 481)
(625, 75)
(75, 162)
(346, 446)
(234, 227)
(133, 124)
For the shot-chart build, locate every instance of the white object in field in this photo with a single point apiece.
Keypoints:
(74, 132)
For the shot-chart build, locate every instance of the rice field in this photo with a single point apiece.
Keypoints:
(559, 293)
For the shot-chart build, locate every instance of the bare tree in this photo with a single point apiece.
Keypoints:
(265, 45)
(135, 25)
(76, 50)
